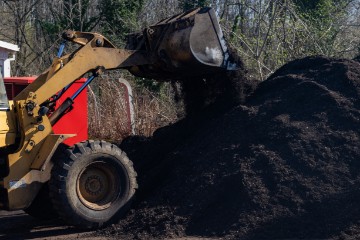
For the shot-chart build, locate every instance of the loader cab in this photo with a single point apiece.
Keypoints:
(7, 125)
(4, 101)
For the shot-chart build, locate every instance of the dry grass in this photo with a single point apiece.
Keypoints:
(108, 115)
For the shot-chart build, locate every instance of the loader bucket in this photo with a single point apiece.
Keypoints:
(185, 45)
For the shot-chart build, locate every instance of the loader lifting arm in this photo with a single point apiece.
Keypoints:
(95, 55)
(185, 45)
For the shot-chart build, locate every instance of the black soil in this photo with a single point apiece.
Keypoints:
(217, 92)
(284, 165)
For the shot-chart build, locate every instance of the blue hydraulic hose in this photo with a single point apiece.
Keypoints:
(61, 49)
(88, 81)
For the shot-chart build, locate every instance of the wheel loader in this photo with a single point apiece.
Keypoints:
(92, 183)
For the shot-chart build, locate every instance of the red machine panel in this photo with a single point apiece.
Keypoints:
(74, 122)
(14, 85)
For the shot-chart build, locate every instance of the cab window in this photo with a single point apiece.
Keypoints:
(4, 102)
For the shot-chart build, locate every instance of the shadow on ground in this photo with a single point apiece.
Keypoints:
(19, 225)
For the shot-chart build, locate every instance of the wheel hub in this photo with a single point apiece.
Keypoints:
(98, 186)
(94, 185)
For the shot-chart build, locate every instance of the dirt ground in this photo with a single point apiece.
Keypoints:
(18, 225)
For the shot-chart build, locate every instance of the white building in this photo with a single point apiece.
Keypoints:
(7, 54)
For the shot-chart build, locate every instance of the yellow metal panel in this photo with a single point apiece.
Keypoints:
(7, 139)
(7, 128)
(47, 150)
(22, 183)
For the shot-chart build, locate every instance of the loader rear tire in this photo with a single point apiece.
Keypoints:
(92, 185)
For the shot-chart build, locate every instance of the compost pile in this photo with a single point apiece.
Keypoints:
(285, 164)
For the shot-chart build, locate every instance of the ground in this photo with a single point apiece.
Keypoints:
(19, 225)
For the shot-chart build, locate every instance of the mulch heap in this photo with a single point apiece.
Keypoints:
(286, 164)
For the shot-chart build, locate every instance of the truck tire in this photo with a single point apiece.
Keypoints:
(92, 184)
(42, 207)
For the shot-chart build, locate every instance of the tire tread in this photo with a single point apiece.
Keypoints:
(63, 163)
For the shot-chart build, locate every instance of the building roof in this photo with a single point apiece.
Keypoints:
(9, 46)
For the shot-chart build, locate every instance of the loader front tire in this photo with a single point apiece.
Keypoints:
(92, 184)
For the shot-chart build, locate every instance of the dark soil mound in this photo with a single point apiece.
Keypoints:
(217, 91)
(284, 165)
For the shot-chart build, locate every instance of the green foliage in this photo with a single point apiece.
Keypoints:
(190, 4)
(322, 12)
(323, 17)
(78, 12)
(119, 16)
(114, 18)
(72, 15)
(51, 28)
(235, 27)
